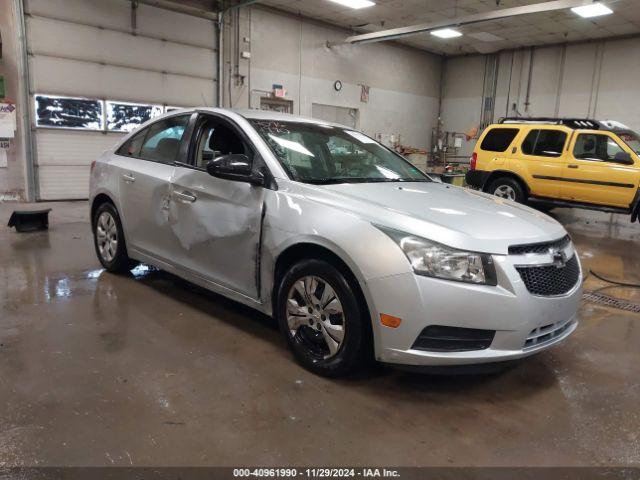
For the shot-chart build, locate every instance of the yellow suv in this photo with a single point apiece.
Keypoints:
(563, 162)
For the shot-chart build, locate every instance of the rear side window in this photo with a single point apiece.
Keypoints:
(159, 142)
(162, 141)
(498, 139)
(544, 143)
(131, 148)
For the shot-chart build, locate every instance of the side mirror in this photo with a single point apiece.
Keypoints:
(624, 158)
(236, 167)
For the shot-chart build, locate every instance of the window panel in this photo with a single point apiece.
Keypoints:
(218, 139)
(544, 143)
(68, 112)
(125, 117)
(162, 139)
(498, 139)
(131, 148)
(601, 148)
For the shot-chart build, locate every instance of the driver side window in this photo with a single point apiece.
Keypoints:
(216, 139)
(596, 147)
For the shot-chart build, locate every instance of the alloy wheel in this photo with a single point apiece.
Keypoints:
(315, 316)
(505, 191)
(107, 236)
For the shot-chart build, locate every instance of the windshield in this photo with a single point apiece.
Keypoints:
(323, 154)
(631, 139)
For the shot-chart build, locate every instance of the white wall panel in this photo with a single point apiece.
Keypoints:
(577, 86)
(116, 15)
(68, 147)
(88, 48)
(598, 79)
(70, 40)
(619, 84)
(64, 159)
(59, 182)
(75, 78)
(462, 93)
(404, 82)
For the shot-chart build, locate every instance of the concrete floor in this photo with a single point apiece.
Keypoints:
(97, 369)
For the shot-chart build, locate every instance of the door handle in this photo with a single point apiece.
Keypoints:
(129, 178)
(185, 197)
(573, 166)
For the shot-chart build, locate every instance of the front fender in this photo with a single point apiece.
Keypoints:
(368, 252)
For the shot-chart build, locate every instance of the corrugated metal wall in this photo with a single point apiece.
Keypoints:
(89, 48)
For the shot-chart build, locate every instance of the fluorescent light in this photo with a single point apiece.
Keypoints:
(594, 10)
(446, 33)
(355, 3)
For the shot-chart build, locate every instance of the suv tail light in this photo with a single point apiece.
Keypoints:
(473, 161)
(93, 165)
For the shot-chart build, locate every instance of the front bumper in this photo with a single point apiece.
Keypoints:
(524, 324)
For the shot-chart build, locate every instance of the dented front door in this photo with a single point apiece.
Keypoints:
(217, 224)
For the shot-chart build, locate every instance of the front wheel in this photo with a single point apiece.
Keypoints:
(321, 319)
(506, 187)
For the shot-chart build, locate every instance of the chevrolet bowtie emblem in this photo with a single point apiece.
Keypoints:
(559, 257)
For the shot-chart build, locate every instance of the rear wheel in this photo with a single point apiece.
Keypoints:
(321, 319)
(509, 188)
(109, 240)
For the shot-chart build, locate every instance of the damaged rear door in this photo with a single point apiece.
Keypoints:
(217, 222)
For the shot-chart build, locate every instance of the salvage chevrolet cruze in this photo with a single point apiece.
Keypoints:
(354, 250)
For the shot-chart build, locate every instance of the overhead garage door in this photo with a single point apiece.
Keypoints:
(125, 67)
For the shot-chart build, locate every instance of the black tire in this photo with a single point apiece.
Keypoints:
(507, 183)
(352, 352)
(119, 262)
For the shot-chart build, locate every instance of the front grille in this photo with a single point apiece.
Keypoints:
(540, 247)
(540, 336)
(550, 280)
(438, 338)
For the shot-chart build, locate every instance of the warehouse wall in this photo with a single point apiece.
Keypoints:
(290, 51)
(12, 183)
(96, 49)
(598, 80)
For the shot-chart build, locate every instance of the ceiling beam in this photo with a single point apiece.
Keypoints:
(395, 33)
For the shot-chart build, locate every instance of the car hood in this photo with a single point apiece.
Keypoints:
(454, 216)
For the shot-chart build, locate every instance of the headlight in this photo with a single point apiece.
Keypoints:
(436, 260)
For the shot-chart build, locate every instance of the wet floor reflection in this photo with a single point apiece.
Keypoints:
(147, 369)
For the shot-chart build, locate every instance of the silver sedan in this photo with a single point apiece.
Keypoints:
(357, 253)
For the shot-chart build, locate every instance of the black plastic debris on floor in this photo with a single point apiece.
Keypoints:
(30, 220)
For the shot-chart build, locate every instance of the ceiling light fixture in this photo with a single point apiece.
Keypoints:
(594, 10)
(355, 3)
(446, 33)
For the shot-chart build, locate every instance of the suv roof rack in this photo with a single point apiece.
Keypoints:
(568, 122)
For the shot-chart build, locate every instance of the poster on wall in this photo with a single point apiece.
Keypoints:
(67, 112)
(125, 117)
(7, 120)
(364, 93)
(4, 146)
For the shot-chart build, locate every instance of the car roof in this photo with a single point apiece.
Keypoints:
(251, 114)
(570, 123)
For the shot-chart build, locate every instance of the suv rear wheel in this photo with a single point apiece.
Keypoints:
(507, 187)
(321, 319)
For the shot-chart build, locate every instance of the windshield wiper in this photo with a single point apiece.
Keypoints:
(387, 180)
(337, 180)
(321, 181)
